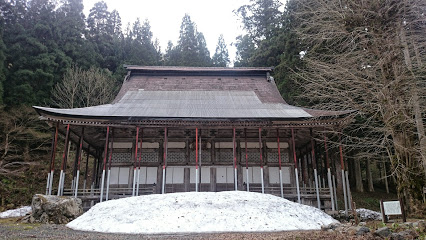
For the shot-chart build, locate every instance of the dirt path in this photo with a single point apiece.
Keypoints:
(11, 229)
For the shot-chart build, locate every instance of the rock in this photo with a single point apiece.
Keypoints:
(362, 224)
(383, 232)
(351, 230)
(368, 215)
(420, 225)
(362, 230)
(330, 226)
(396, 236)
(54, 209)
(407, 234)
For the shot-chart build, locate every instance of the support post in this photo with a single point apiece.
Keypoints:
(295, 165)
(87, 168)
(163, 183)
(139, 164)
(50, 165)
(314, 165)
(330, 183)
(64, 159)
(343, 176)
(104, 165)
(234, 155)
(335, 192)
(52, 162)
(279, 162)
(199, 162)
(135, 162)
(196, 159)
(109, 164)
(247, 170)
(261, 160)
(80, 150)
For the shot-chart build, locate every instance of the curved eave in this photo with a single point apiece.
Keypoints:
(337, 117)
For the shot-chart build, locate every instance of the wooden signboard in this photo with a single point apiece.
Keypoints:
(389, 208)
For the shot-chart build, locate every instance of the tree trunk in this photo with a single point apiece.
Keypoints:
(415, 98)
(385, 177)
(369, 177)
(358, 177)
(338, 169)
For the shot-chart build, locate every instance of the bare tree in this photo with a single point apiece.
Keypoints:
(368, 56)
(84, 88)
(22, 135)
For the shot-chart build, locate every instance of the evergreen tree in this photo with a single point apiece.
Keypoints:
(187, 43)
(245, 49)
(221, 56)
(105, 34)
(140, 49)
(34, 59)
(2, 60)
(71, 27)
(203, 53)
(191, 49)
(261, 18)
(115, 23)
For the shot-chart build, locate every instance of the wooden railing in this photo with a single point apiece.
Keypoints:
(114, 193)
(291, 192)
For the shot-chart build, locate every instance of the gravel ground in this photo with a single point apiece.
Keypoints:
(12, 229)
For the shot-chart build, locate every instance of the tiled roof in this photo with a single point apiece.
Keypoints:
(208, 93)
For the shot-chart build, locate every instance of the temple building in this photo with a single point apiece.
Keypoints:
(180, 129)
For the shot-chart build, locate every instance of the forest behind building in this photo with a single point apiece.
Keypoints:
(367, 56)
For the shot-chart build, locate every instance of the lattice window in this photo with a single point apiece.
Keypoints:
(151, 156)
(118, 157)
(224, 155)
(273, 156)
(252, 156)
(205, 156)
(177, 156)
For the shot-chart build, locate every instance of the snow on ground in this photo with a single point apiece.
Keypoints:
(234, 211)
(19, 212)
(367, 214)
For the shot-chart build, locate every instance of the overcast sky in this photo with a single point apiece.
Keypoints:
(213, 17)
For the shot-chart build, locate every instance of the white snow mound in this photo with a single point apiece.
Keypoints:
(19, 212)
(200, 212)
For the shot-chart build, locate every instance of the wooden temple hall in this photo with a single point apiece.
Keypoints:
(181, 129)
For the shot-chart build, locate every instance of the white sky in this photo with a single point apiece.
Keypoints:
(213, 17)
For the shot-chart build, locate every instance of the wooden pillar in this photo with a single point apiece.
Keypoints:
(160, 167)
(79, 152)
(86, 173)
(314, 165)
(64, 162)
(135, 157)
(329, 178)
(246, 159)
(139, 162)
(95, 168)
(343, 176)
(187, 179)
(163, 182)
(295, 165)
(261, 160)
(240, 177)
(234, 155)
(52, 161)
(279, 164)
(111, 147)
(104, 164)
(213, 180)
(196, 160)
